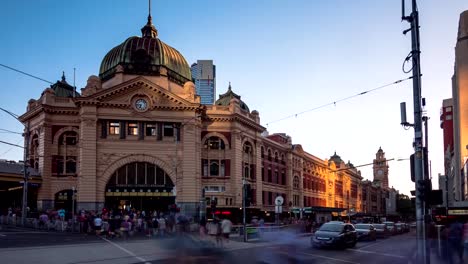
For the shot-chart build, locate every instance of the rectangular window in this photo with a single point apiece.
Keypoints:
(114, 128)
(283, 178)
(133, 129)
(71, 165)
(150, 129)
(269, 175)
(205, 168)
(168, 130)
(270, 198)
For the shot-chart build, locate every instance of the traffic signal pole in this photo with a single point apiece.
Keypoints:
(413, 19)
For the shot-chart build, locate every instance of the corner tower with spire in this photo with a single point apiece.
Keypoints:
(380, 168)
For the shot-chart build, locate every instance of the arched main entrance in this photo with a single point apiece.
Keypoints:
(140, 186)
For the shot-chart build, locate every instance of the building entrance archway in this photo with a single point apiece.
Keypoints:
(141, 186)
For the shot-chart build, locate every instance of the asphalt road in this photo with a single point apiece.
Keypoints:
(26, 246)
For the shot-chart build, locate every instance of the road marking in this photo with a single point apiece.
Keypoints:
(126, 251)
(378, 253)
(335, 259)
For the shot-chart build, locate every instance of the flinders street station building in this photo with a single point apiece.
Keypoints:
(138, 137)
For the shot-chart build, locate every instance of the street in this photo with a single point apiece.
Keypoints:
(26, 246)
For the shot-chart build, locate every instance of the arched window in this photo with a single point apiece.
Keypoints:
(69, 138)
(276, 156)
(282, 159)
(269, 154)
(214, 143)
(139, 173)
(262, 152)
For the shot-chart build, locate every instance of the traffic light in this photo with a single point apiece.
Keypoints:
(248, 195)
(424, 187)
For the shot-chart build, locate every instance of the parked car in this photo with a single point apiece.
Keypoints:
(366, 232)
(391, 227)
(334, 234)
(381, 230)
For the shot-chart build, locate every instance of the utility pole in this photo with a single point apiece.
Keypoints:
(413, 19)
(25, 176)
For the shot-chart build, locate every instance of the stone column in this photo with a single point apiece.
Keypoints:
(188, 183)
(87, 191)
(45, 198)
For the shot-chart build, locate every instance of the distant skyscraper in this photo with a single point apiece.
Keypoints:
(204, 74)
(460, 108)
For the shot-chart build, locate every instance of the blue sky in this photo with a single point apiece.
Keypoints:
(282, 57)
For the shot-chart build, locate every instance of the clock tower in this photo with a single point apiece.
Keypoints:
(381, 168)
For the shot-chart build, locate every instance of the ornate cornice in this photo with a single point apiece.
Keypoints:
(164, 100)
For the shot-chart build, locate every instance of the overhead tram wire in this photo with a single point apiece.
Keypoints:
(9, 131)
(340, 100)
(25, 73)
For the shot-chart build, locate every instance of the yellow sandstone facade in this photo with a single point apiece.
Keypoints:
(137, 136)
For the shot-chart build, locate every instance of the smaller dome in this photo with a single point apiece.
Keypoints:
(63, 89)
(225, 99)
(337, 159)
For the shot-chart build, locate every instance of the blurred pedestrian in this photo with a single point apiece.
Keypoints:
(226, 226)
(202, 227)
(455, 240)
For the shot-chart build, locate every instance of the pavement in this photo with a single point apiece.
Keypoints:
(25, 246)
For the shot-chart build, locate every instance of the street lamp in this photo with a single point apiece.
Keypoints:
(25, 166)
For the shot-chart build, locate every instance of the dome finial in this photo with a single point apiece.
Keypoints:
(63, 76)
(149, 30)
(150, 19)
(229, 87)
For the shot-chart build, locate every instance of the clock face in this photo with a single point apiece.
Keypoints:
(141, 104)
(380, 172)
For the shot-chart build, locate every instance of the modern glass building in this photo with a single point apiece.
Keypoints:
(204, 75)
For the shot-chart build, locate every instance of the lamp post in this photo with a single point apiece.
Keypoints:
(25, 166)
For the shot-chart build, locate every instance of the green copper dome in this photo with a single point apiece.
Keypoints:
(225, 99)
(146, 55)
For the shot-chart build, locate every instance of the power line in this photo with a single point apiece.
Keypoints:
(9, 131)
(11, 144)
(10, 113)
(25, 73)
(340, 100)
